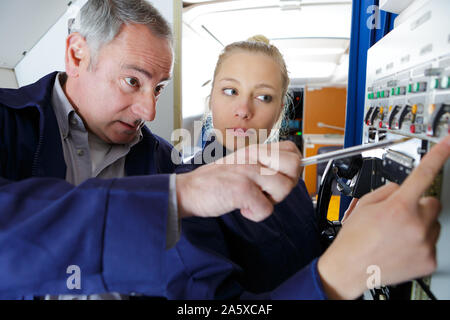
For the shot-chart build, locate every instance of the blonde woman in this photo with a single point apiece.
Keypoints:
(247, 104)
(393, 229)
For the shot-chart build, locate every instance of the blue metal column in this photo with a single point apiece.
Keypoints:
(363, 36)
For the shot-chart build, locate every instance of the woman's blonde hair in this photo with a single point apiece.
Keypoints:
(260, 44)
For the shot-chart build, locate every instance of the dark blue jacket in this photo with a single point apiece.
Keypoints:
(272, 259)
(114, 230)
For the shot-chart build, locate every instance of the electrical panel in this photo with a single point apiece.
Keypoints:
(408, 94)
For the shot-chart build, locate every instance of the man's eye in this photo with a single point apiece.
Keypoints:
(264, 98)
(133, 82)
(229, 91)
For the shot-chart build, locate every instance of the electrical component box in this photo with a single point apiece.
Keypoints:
(408, 77)
(408, 94)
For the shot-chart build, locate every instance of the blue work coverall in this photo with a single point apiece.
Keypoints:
(114, 230)
(272, 259)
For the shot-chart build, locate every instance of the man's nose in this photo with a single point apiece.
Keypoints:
(243, 109)
(145, 107)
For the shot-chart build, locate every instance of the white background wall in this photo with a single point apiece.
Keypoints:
(163, 124)
(7, 78)
(48, 55)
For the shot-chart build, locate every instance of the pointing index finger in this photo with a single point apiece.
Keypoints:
(423, 175)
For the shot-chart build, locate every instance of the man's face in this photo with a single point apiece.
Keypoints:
(120, 92)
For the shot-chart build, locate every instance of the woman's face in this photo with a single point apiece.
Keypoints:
(246, 99)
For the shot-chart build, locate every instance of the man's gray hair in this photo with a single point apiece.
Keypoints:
(99, 21)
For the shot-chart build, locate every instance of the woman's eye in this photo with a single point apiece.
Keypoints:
(158, 89)
(229, 92)
(132, 82)
(264, 98)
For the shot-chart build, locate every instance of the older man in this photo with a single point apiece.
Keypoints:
(86, 123)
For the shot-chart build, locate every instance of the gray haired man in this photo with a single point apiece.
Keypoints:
(71, 135)
(87, 192)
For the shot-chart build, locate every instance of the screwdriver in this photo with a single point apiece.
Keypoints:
(351, 151)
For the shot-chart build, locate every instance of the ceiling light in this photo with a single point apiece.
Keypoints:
(310, 70)
(313, 51)
(197, 1)
(290, 4)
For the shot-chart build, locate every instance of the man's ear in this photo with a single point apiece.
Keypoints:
(77, 54)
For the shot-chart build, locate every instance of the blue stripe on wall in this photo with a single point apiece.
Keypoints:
(362, 38)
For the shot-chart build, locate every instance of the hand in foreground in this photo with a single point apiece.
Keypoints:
(393, 228)
(349, 210)
(268, 174)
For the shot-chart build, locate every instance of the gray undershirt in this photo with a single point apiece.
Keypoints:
(87, 156)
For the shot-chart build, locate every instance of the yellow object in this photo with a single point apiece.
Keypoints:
(414, 109)
(431, 108)
(333, 208)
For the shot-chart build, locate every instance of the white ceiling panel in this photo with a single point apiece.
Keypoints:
(23, 23)
(312, 35)
(312, 21)
(237, 20)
